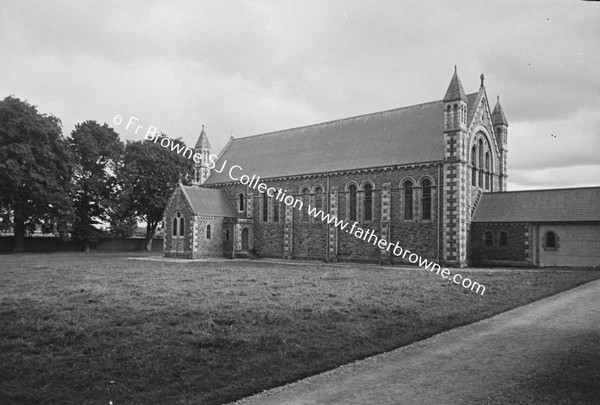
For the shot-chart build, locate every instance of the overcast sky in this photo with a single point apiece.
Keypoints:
(247, 67)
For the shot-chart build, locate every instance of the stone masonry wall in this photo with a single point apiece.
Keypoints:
(310, 238)
(209, 247)
(517, 250)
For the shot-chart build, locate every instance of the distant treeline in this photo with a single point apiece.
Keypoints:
(64, 186)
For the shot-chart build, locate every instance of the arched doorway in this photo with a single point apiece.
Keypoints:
(245, 239)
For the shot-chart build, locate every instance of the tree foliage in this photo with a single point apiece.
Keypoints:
(149, 175)
(35, 170)
(97, 153)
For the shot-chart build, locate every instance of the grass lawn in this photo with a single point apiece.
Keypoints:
(93, 328)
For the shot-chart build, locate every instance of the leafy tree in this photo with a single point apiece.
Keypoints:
(35, 170)
(149, 175)
(97, 153)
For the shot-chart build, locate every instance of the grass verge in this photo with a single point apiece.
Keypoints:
(94, 328)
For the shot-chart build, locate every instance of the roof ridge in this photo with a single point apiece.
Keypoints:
(337, 120)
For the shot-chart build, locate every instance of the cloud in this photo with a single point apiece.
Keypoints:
(248, 67)
(554, 177)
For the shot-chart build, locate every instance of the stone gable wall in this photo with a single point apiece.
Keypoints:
(178, 246)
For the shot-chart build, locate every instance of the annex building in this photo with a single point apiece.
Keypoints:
(431, 176)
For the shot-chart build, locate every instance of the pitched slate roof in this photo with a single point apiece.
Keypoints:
(455, 89)
(208, 201)
(406, 135)
(202, 140)
(566, 204)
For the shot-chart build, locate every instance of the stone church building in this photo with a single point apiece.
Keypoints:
(426, 175)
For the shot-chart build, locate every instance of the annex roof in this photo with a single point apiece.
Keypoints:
(401, 136)
(208, 201)
(555, 205)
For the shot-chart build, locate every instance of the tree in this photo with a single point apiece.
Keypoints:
(149, 175)
(97, 153)
(35, 170)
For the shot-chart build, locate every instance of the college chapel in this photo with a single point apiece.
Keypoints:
(430, 176)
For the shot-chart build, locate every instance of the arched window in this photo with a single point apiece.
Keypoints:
(480, 145)
(245, 239)
(489, 238)
(305, 202)
(368, 202)
(503, 238)
(227, 235)
(408, 200)
(208, 231)
(352, 202)
(487, 170)
(318, 199)
(426, 203)
(241, 201)
(455, 114)
(275, 211)
(550, 240)
(181, 226)
(473, 166)
(175, 225)
(265, 207)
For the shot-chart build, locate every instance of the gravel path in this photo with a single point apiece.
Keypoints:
(547, 352)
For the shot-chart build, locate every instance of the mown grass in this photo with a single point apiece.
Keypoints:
(94, 328)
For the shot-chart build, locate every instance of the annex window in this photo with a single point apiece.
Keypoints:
(489, 238)
(426, 202)
(208, 229)
(265, 207)
(305, 202)
(275, 211)
(178, 225)
(503, 238)
(241, 201)
(227, 235)
(550, 240)
(408, 200)
(473, 166)
(368, 202)
(352, 202)
(487, 170)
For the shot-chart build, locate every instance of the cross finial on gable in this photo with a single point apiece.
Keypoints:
(482, 78)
